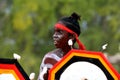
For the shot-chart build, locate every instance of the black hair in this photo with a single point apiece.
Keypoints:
(72, 23)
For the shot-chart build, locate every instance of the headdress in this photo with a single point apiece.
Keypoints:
(71, 25)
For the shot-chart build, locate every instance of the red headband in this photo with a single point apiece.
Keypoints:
(61, 26)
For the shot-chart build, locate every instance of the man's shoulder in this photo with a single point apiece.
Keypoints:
(53, 55)
(53, 52)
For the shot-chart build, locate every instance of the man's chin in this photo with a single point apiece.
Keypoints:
(57, 46)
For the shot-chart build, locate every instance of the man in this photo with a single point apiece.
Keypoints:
(66, 33)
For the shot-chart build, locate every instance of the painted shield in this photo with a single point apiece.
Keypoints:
(83, 65)
(10, 69)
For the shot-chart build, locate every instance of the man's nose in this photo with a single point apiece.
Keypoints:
(54, 35)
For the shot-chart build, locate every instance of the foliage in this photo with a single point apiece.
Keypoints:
(26, 27)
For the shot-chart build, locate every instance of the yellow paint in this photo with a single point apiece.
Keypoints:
(8, 71)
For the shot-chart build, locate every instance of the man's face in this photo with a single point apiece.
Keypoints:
(60, 38)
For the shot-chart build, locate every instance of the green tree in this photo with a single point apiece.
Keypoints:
(26, 27)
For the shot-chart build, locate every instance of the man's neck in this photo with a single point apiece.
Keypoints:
(66, 50)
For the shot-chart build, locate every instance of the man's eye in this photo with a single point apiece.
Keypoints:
(60, 31)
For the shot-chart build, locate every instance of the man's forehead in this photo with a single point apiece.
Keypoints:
(59, 29)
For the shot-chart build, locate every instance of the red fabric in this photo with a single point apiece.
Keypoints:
(63, 27)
